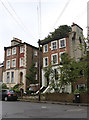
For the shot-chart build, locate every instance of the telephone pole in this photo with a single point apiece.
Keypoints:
(39, 68)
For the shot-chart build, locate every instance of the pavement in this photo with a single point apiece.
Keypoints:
(53, 102)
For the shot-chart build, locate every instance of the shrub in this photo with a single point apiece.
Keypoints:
(4, 86)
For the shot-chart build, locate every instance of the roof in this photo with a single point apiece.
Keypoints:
(20, 44)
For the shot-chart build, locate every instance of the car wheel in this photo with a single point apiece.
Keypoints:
(5, 98)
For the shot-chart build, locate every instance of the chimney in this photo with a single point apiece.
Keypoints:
(15, 41)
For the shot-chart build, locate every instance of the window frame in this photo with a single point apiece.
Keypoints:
(52, 48)
(15, 63)
(44, 63)
(8, 77)
(21, 49)
(8, 50)
(45, 50)
(13, 50)
(7, 64)
(52, 59)
(64, 43)
(60, 55)
(21, 65)
(12, 79)
(35, 53)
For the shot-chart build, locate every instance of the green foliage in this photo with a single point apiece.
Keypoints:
(61, 32)
(17, 90)
(32, 74)
(16, 86)
(4, 86)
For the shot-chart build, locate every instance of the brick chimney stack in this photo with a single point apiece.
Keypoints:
(15, 41)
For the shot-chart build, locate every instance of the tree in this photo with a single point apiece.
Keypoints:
(48, 72)
(32, 74)
(61, 32)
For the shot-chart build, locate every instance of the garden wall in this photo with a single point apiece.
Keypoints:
(64, 97)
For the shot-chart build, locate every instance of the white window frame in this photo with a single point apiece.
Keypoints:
(12, 79)
(36, 77)
(35, 52)
(21, 63)
(44, 64)
(21, 49)
(60, 55)
(8, 64)
(14, 51)
(52, 58)
(52, 45)
(44, 48)
(35, 64)
(64, 43)
(8, 77)
(8, 52)
(13, 64)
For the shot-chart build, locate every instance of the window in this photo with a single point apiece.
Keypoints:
(81, 86)
(13, 50)
(35, 53)
(21, 62)
(35, 64)
(8, 52)
(8, 77)
(13, 62)
(45, 61)
(8, 64)
(54, 58)
(54, 45)
(21, 49)
(61, 54)
(36, 76)
(62, 43)
(45, 48)
(12, 77)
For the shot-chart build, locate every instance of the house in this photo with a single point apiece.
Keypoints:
(17, 61)
(1, 72)
(52, 51)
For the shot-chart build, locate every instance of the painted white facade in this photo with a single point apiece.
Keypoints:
(16, 78)
(66, 88)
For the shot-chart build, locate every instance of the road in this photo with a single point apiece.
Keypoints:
(18, 109)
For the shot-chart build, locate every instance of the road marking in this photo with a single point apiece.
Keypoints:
(72, 110)
(43, 107)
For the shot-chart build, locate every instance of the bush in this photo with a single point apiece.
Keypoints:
(29, 92)
(16, 86)
(4, 86)
(17, 90)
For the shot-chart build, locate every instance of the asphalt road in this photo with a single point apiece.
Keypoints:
(18, 109)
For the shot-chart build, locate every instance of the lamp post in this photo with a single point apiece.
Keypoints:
(39, 68)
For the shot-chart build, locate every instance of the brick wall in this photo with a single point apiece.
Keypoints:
(62, 97)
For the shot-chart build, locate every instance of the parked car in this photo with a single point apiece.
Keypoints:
(8, 95)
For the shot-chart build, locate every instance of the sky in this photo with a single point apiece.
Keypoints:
(30, 20)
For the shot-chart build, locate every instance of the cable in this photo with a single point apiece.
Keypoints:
(39, 18)
(20, 24)
(18, 17)
(66, 5)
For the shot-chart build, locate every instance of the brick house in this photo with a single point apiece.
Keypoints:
(52, 51)
(17, 61)
(1, 72)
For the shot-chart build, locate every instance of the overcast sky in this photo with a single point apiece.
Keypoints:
(21, 19)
